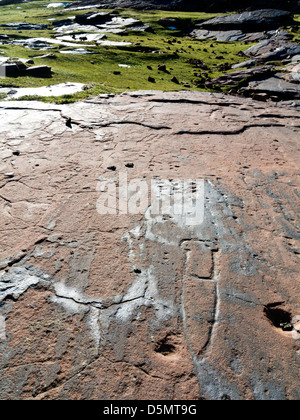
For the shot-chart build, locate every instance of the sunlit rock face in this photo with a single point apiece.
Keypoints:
(135, 302)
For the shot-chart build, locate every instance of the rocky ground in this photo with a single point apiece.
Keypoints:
(141, 306)
(253, 77)
(253, 53)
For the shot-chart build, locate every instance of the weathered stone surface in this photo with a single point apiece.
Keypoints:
(15, 67)
(243, 75)
(238, 35)
(265, 19)
(279, 86)
(284, 86)
(252, 26)
(273, 49)
(143, 306)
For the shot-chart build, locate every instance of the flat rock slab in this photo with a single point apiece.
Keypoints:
(238, 35)
(16, 67)
(146, 306)
(243, 75)
(273, 49)
(46, 91)
(24, 26)
(44, 43)
(278, 86)
(73, 28)
(252, 20)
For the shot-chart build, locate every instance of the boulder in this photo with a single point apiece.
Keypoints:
(12, 67)
(265, 19)
(92, 18)
(39, 71)
(16, 67)
(11, 70)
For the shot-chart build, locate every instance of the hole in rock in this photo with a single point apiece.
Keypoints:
(278, 316)
(166, 346)
(225, 397)
(112, 168)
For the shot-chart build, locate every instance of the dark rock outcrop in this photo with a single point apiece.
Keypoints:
(39, 71)
(257, 20)
(277, 88)
(251, 26)
(92, 18)
(10, 67)
(245, 75)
